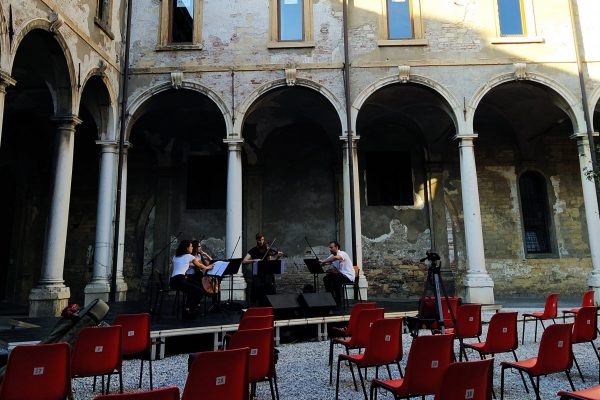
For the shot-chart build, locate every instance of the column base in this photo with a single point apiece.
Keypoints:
(594, 283)
(363, 286)
(48, 301)
(121, 291)
(96, 290)
(239, 288)
(479, 288)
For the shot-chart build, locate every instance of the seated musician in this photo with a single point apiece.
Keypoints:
(211, 284)
(342, 271)
(264, 284)
(180, 281)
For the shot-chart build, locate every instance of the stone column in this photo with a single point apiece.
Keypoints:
(51, 295)
(5, 81)
(233, 224)
(357, 258)
(479, 287)
(121, 290)
(591, 210)
(99, 286)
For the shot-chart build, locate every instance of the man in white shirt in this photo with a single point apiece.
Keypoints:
(341, 273)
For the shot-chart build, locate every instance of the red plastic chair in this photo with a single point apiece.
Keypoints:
(468, 326)
(550, 311)
(257, 312)
(587, 301)
(97, 351)
(554, 355)
(467, 380)
(592, 393)
(262, 357)
(136, 339)
(168, 393)
(585, 331)
(258, 322)
(428, 309)
(428, 358)
(360, 335)
(383, 346)
(502, 337)
(356, 308)
(40, 371)
(218, 375)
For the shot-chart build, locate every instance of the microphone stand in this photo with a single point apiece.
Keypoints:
(153, 271)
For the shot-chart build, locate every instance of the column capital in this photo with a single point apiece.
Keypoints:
(112, 146)
(582, 135)
(234, 144)
(466, 137)
(355, 138)
(5, 81)
(68, 119)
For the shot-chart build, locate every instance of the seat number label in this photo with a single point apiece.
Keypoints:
(99, 349)
(388, 338)
(253, 352)
(38, 371)
(435, 363)
(504, 330)
(560, 344)
(471, 319)
(469, 394)
(220, 380)
(130, 333)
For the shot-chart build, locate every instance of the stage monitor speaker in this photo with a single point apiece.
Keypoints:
(317, 303)
(283, 302)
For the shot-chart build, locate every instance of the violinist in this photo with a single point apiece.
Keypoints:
(264, 284)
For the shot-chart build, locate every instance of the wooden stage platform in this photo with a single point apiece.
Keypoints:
(24, 330)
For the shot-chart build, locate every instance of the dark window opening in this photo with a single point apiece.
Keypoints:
(207, 182)
(534, 207)
(389, 179)
(182, 21)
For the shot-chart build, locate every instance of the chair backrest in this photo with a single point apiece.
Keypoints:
(261, 345)
(356, 308)
(265, 321)
(40, 371)
(168, 393)
(428, 309)
(468, 321)
(135, 331)
(555, 352)
(217, 375)
(588, 299)
(551, 306)
(467, 380)
(584, 327)
(257, 312)
(365, 319)
(502, 333)
(384, 345)
(97, 351)
(428, 358)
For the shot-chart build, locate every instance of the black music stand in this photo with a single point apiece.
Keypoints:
(266, 267)
(232, 269)
(315, 268)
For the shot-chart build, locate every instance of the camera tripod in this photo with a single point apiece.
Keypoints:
(434, 283)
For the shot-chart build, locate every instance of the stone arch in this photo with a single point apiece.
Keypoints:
(568, 103)
(45, 25)
(111, 123)
(139, 101)
(243, 108)
(453, 112)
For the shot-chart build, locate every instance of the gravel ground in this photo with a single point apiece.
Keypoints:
(303, 372)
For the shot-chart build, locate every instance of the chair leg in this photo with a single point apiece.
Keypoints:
(523, 334)
(521, 373)
(578, 369)
(94, 385)
(141, 371)
(276, 387)
(272, 391)
(373, 392)
(362, 382)
(107, 383)
(337, 380)
(502, 378)
(120, 381)
(330, 361)
(535, 332)
(353, 377)
(400, 369)
(570, 380)
(536, 388)
(389, 371)
(150, 368)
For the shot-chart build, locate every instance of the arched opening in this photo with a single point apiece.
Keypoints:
(176, 181)
(405, 163)
(523, 127)
(26, 159)
(292, 176)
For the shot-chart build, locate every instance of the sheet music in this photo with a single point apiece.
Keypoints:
(218, 268)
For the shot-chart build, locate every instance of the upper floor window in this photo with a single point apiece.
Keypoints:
(291, 23)
(511, 18)
(534, 210)
(180, 23)
(103, 16)
(401, 23)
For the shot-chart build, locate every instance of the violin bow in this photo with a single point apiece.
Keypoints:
(235, 248)
(268, 248)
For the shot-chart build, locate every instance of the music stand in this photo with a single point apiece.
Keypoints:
(231, 270)
(315, 268)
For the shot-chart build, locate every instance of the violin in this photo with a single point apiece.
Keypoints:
(274, 252)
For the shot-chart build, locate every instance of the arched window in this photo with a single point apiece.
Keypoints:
(534, 209)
